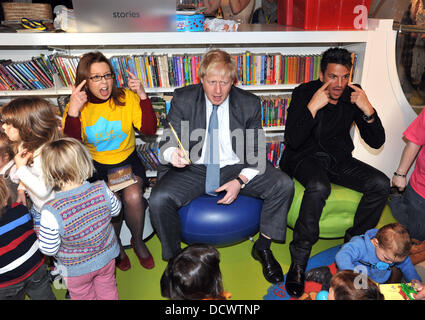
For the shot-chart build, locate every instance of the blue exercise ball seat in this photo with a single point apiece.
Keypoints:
(205, 221)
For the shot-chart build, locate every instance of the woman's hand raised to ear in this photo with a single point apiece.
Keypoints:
(78, 99)
(135, 85)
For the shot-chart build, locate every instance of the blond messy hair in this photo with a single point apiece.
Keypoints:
(65, 161)
(217, 58)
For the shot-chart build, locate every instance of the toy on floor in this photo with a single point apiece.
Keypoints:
(311, 288)
(322, 295)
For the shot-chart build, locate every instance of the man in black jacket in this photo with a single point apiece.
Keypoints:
(318, 153)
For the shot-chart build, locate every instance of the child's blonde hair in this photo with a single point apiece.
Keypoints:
(4, 195)
(65, 161)
(35, 120)
(395, 237)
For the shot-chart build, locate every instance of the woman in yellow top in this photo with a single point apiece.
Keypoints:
(103, 117)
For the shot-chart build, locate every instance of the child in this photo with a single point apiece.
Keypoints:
(76, 225)
(7, 166)
(194, 274)
(22, 268)
(345, 286)
(378, 251)
(30, 123)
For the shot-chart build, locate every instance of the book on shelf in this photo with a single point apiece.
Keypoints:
(274, 110)
(120, 178)
(149, 155)
(159, 107)
(274, 151)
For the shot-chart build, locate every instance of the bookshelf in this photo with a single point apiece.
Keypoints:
(256, 39)
(376, 70)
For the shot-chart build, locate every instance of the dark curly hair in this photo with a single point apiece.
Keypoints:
(336, 55)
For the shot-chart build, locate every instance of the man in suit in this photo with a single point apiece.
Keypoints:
(318, 153)
(220, 127)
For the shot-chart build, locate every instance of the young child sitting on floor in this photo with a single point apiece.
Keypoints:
(377, 252)
(76, 226)
(22, 268)
(346, 286)
(194, 274)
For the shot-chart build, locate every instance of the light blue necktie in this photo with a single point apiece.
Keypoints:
(212, 156)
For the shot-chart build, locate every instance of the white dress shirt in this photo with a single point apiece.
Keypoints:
(227, 155)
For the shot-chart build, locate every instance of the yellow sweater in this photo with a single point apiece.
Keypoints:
(107, 130)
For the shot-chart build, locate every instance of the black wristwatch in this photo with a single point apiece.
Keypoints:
(241, 182)
(368, 118)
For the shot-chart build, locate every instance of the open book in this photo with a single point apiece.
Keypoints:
(397, 291)
(120, 178)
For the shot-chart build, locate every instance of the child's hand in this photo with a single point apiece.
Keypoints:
(420, 289)
(135, 85)
(22, 157)
(21, 197)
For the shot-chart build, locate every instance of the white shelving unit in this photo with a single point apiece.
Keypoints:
(252, 38)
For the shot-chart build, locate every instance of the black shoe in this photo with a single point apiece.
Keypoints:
(271, 268)
(295, 278)
(320, 275)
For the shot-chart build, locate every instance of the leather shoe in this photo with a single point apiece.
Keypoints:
(123, 264)
(295, 278)
(147, 262)
(271, 268)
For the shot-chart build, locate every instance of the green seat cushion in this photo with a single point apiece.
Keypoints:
(337, 215)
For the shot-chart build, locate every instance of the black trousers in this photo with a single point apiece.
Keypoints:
(316, 173)
(177, 187)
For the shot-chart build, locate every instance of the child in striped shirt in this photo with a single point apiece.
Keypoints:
(76, 226)
(22, 268)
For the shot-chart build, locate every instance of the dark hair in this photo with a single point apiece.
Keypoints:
(34, 118)
(6, 147)
(344, 285)
(336, 55)
(83, 72)
(4, 195)
(193, 274)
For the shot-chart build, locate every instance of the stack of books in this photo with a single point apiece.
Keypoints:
(149, 155)
(34, 74)
(274, 110)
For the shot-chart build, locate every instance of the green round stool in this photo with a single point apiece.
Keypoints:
(337, 215)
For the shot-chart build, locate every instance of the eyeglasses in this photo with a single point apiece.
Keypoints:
(106, 76)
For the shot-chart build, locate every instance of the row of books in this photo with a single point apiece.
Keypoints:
(157, 71)
(149, 155)
(274, 151)
(161, 71)
(33, 74)
(272, 69)
(274, 110)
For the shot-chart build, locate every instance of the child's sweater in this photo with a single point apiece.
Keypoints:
(19, 254)
(83, 239)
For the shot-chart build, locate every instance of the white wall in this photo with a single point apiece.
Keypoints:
(381, 83)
